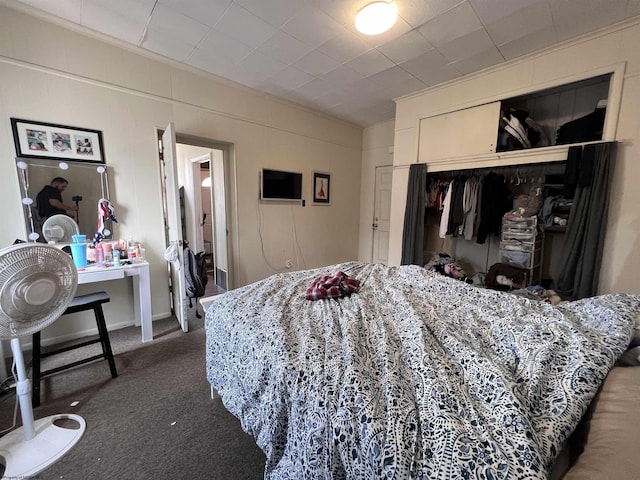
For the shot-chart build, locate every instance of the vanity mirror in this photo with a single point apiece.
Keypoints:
(87, 185)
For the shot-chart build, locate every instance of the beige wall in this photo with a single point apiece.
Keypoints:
(607, 48)
(59, 75)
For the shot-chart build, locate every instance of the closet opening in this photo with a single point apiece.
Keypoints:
(467, 220)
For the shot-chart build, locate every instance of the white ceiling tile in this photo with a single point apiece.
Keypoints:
(529, 43)
(284, 47)
(316, 63)
(174, 27)
(575, 17)
(479, 61)
(121, 19)
(370, 62)
(67, 9)
(408, 46)
(314, 89)
(260, 65)
(274, 12)
(335, 97)
(371, 114)
(521, 23)
(168, 47)
(211, 61)
(255, 69)
(417, 12)
(464, 47)
(244, 26)
(490, 11)
(397, 89)
(419, 66)
(341, 76)
(442, 74)
(390, 76)
(312, 26)
(216, 43)
(290, 78)
(341, 11)
(275, 90)
(455, 23)
(343, 46)
(218, 53)
(208, 12)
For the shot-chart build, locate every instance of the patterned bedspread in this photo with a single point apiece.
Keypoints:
(417, 376)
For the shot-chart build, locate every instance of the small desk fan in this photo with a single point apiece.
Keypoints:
(60, 229)
(37, 282)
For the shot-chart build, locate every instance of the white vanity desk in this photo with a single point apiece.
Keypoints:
(141, 289)
(141, 296)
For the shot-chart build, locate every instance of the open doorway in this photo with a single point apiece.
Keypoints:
(209, 216)
(183, 214)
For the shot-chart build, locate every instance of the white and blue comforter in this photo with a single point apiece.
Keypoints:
(417, 376)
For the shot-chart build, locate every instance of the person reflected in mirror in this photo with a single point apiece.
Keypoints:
(49, 200)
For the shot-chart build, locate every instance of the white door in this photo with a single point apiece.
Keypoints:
(382, 214)
(174, 224)
(220, 228)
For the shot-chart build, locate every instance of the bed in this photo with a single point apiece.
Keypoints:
(411, 375)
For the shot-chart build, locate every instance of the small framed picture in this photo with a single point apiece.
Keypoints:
(321, 188)
(57, 142)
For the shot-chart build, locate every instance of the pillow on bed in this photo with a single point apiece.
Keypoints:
(611, 451)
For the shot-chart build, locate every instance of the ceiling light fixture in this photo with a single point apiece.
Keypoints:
(377, 17)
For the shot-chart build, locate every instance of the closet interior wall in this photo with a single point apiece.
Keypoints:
(478, 257)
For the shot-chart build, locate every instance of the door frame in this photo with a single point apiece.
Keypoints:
(231, 205)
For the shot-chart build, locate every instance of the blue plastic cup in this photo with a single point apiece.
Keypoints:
(79, 254)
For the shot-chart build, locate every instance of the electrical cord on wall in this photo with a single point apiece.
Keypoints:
(299, 260)
(297, 250)
(260, 230)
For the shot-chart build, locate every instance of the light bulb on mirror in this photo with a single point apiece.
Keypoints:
(22, 165)
(100, 169)
(33, 236)
(27, 201)
(63, 165)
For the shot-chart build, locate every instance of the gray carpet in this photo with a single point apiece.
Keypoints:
(156, 420)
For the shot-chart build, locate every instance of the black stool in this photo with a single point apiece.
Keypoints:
(80, 303)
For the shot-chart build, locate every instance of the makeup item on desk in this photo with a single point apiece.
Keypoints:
(92, 254)
(100, 252)
(116, 258)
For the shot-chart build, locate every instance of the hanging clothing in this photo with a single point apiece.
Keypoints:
(456, 213)
(444, 221)
(495, 201)
(470, 205)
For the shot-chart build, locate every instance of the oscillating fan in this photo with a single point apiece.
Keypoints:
(37, 282)
(60, 229)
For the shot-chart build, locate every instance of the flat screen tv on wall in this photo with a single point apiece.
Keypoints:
(280, 185)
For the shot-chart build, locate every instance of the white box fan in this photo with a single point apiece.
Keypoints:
(37, 282)
(59, 229)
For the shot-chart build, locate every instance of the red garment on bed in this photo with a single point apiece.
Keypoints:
(332, 286)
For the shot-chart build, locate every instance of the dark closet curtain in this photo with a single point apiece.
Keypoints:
(413, 234)
(579, 269)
